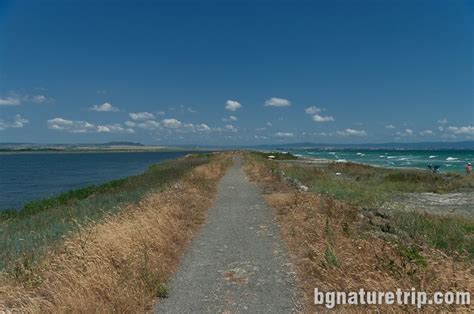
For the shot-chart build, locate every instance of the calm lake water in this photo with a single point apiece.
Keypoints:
(447, 160)
(30, 176)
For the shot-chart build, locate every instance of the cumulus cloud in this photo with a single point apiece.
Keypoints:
(230, 118)
(443, 121)
(390, 126)
(38, 99)
(17, 122)
(171, 123)
(426, 132)
(230, 127)
(198, 127)
(352, 132)
(318, 118)
(277, 102)
(113, 128)
(140, 116)
(284, 134)
(130, 124)
(105, 107)
(15, 99)
(60, 124)
(463, 130)
(312, 110)
(77, 126)
(149, 125)
(232, 105)
(406, 132)
(10, 101)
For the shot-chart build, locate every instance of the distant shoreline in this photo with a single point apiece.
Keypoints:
(103, 150)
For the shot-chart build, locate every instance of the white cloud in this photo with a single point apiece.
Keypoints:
(352, 132)
(463, 130)
(171, 123)
(426, 132)
(38, 99)
(260, 137)
(406, 132)
(230, 118)
(71, 126)
(18, 122)
(443, 121)
(76, 126)
(160, 113)
(269, 124)
(232, 105)
(149, 125)
(198, 127)
(16, 99)
(140, 116)
(312, 110)
(105, 107)
(113, 128)
(130, 124)
(318, 118)
(390, 126)
(231, 128)
(277, 102)
(284, 134)
(10, 101)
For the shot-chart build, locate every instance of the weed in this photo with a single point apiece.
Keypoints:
(331, 258)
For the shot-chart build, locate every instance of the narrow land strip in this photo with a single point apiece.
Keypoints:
(238, 262)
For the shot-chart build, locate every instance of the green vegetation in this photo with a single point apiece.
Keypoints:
(331, 258)
(24, 236)
(451, 234)
(370, 187)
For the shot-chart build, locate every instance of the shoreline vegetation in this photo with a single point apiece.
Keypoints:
(343, 238)
(113, 247)
(107, 247)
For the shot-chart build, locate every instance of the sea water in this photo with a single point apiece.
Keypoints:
(447, 160)
(30, 176)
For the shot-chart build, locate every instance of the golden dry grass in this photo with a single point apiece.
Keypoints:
(333, 252)
(123, 263)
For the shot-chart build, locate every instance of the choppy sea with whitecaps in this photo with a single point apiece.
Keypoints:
(447, 160)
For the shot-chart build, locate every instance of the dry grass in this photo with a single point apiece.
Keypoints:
(332, 250)
(123, 263)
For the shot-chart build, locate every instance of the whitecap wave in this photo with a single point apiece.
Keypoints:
(451, 158)
(432, 156)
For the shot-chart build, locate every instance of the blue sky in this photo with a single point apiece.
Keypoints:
(236, 72)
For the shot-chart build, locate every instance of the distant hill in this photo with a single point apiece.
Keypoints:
(117, 144)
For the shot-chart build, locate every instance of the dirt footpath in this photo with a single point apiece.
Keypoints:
(238, 262)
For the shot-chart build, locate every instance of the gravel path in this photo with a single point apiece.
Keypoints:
(238, 262)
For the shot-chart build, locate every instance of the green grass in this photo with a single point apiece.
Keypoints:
(370, 187)
(451, 234)
(25, 235)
